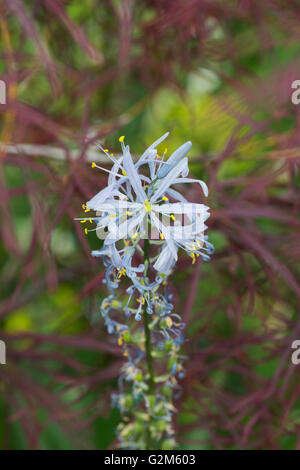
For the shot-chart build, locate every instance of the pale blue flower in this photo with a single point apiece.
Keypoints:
(125, 216)
(136, 206)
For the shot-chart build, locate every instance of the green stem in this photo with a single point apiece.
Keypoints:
(149, 358)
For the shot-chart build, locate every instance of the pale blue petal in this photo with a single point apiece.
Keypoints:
(169, 179)
(166, 231)
(165, 261)
(115, 168)
(174, 159)
(191, 180)
(121, 231)
(133, 176)
(187, 208)
(176, 195)
(145, 155)
(100, 197)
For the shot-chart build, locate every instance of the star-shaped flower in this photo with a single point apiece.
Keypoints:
(135, 205)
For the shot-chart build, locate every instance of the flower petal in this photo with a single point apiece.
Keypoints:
(187, 208)
(169, 179)
(165, 261)
(176, 195)
(147, 152)
(123, 230)
(192, 180)
(133, 176)
(175, 158)
(166, 231)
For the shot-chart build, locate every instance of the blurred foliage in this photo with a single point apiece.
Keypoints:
(219, 74)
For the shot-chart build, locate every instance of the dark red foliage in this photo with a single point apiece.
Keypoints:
(256, 271)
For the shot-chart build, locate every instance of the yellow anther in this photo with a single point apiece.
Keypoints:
(124, 173)
(85, 230)
(193, 258)
(120, 340)
(128, 213)
(105, 150)
(93, 165)
(134, 235)
(87, 209)
(83, 221)
(121, 139)
(147, 206)
(172, 217)
(83, 206)
(122, 272)
(165, 198)
(162, 236)
(111, 155)
(125, 353)
(90, 220)
(169, 322)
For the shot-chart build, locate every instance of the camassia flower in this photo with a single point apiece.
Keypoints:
(137, 206)
(144, 222)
